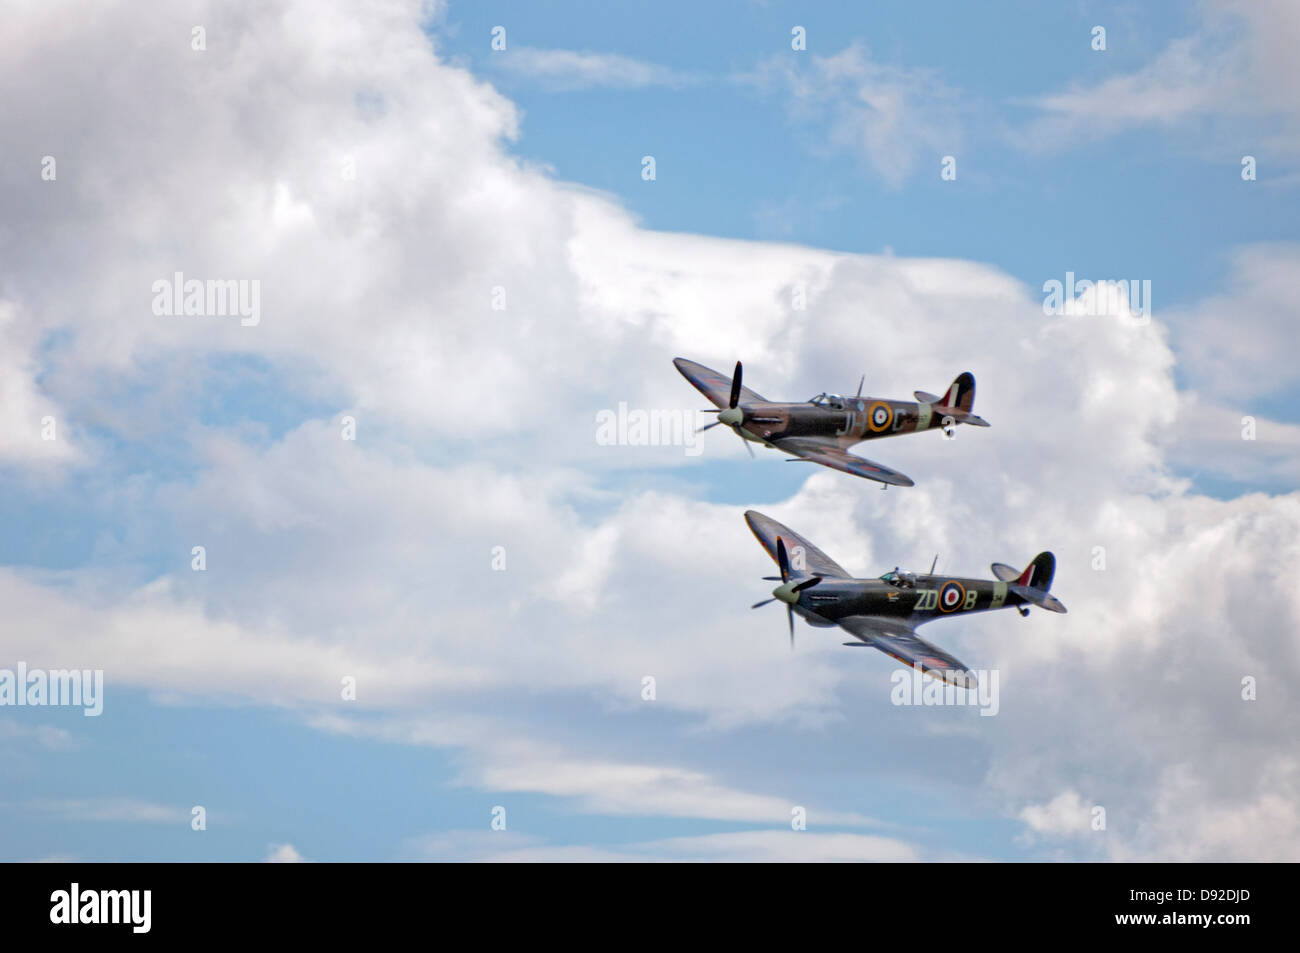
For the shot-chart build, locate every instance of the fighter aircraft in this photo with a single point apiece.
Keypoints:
(821, 429)
(885, 613)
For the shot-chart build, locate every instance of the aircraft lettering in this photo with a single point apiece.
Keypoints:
(971, 596)
(926, 599)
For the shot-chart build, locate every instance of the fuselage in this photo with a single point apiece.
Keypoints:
(915, 599)
(845, 420)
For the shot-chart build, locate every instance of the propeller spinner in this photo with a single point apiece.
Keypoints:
(788, 592)
(732, 416)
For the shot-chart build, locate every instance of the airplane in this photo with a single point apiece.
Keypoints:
(821, 429)
(885, 613)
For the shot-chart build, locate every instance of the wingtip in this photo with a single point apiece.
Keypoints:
(958, 678)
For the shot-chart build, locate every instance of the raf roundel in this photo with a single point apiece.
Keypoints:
(951, 596)
(880, 416)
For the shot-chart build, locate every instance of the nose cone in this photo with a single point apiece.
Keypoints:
(731, 416)
(786, 593)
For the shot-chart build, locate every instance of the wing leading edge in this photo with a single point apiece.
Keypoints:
(900, 641)
(766, 530)
(713, 385)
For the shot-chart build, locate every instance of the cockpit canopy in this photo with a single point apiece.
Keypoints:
(833, 401)
(903, 580)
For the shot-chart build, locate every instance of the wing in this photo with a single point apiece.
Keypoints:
(829, 455)
(715, 386)
(815, 561)
(899, 640)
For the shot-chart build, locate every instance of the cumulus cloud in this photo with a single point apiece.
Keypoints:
(1064, 814)
(283, 854)
(370, 188)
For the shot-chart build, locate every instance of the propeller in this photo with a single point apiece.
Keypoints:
(732, 416)
(788, 592)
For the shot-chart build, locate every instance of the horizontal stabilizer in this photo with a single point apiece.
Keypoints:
(1004, 572)
(926, 397)
(962, 417)
(1038, 597)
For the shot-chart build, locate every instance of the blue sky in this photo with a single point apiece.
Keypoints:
(520, 688)
(1159, 207)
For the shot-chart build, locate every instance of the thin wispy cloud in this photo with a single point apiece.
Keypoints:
(1237, 71)
(564, 70)
(892, 117)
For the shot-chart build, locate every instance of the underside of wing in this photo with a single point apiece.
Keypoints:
(716, 387)
(829, 455)
(767, 530)
(899, 640)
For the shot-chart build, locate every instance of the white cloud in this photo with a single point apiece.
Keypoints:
(1237, 67)
(891, 116)
(283, 854)
(112, 809)
(49, 737)
(1237, 344)
(774, 846)
(36, 431)
(571, 69)
(1064, 814)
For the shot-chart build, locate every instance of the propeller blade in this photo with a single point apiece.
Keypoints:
(708, 426)
(735, 387)
(782, 559)
(763, 603)
(789, 614)
(778, 578)
(807, 584)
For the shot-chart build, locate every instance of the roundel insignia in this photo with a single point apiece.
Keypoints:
(951, 596)
(880, 416)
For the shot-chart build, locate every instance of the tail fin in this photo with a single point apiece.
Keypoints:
(957, 400)
(1038, 574)
(961, 392)
(1033, 583)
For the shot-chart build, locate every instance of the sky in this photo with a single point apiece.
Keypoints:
(365, 582)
